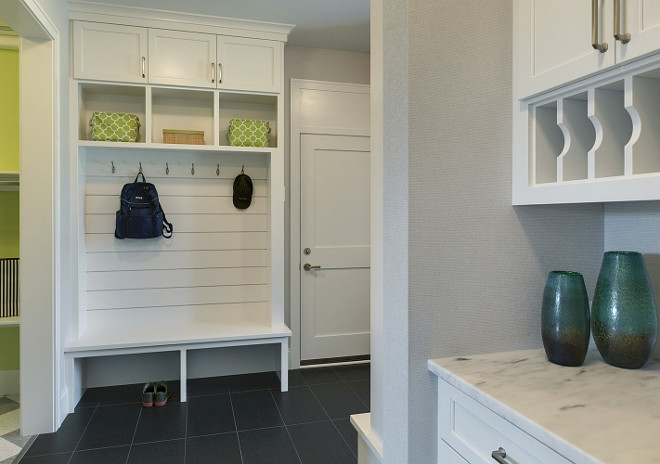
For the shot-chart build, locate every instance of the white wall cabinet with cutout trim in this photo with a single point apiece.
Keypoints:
(555, 39)
(219, 281)
(588, 132)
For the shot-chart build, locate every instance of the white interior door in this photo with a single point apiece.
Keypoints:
(335, 246)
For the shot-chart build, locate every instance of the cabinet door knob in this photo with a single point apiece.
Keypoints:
(624, 37)
(595, 21)
(500, 456)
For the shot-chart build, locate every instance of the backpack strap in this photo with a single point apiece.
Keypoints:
(138, 176)
(167, 227)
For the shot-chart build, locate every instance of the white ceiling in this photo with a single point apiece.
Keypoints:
(333, 24)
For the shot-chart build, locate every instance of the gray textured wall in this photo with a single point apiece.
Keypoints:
(477, 264)
(396, 193)
(636, 227)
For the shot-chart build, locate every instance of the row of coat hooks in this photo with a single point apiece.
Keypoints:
(167, 168)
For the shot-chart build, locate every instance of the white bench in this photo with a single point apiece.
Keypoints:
(169, 338)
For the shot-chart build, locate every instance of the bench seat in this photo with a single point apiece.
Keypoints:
(95, 342)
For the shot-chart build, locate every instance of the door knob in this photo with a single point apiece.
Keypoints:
(309, 267)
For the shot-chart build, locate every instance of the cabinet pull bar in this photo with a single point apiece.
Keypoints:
(624, 37)
(144, 60)
(219, 73)
(500, 456)
(212, 72)
(601, 47)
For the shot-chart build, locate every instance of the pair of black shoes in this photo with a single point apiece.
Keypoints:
(155, 393)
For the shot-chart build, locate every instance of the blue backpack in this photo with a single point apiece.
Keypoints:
(140, 214)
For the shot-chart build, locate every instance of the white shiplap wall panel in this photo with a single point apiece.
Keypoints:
(145, 260)
(194, 223)
(218, 257)
(170, 186)
(181, 242)
(179, 204)
(144, 298)
(176, 278)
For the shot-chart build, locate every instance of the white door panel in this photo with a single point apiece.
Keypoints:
(340, 303)
(335, 227)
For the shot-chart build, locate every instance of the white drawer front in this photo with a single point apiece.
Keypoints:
(475, 431)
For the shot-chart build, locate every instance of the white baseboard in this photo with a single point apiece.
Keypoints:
(9, 382)
(370, 449)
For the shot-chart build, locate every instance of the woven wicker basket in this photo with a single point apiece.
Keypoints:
(187, 137)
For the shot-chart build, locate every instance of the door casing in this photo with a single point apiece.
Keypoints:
(302, 124)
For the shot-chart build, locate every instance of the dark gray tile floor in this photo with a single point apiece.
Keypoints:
(241, 419)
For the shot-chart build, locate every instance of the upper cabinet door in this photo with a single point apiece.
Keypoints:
(109, 52)
(249, 64)
(640, 19)
(554, 42)
(182, 58)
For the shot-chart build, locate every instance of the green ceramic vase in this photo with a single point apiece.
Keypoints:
(624, 319)
(565, 318)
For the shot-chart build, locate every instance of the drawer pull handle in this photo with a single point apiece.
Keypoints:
(601, 47)
(624, 37)
(500, 456)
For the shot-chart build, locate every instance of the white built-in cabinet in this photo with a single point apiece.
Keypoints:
(470, 432)
(219, 280)
(111, 52)
(585, 114)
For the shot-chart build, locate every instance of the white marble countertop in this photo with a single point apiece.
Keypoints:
(589, 414)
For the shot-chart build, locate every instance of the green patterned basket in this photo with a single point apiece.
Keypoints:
(248, 133)
(115, 127)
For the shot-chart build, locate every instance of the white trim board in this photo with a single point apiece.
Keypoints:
(39, 75)
(297, 128)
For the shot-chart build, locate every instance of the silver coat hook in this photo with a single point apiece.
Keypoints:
(217, 170)
(113, 166)
(192, 171)
(167, 168)
(140, 167)
(243, 169)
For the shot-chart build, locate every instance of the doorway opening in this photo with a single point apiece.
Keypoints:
(38, 41)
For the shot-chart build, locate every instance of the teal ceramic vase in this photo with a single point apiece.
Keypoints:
(565, 318)
(624, 319)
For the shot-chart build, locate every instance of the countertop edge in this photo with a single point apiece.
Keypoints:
(561, 446)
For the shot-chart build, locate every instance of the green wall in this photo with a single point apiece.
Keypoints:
(9, 336)
(8, 110)
(9, 355)
(9, 224)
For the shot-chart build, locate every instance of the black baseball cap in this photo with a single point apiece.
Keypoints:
(242, 191)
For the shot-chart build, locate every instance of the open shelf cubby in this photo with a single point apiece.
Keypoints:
(646, 103)
(614, 125)
(585, 135)
(110, 98)
(187, 109)
(181, 109)
(244, 106)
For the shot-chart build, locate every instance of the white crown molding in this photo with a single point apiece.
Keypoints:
(146, 17)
